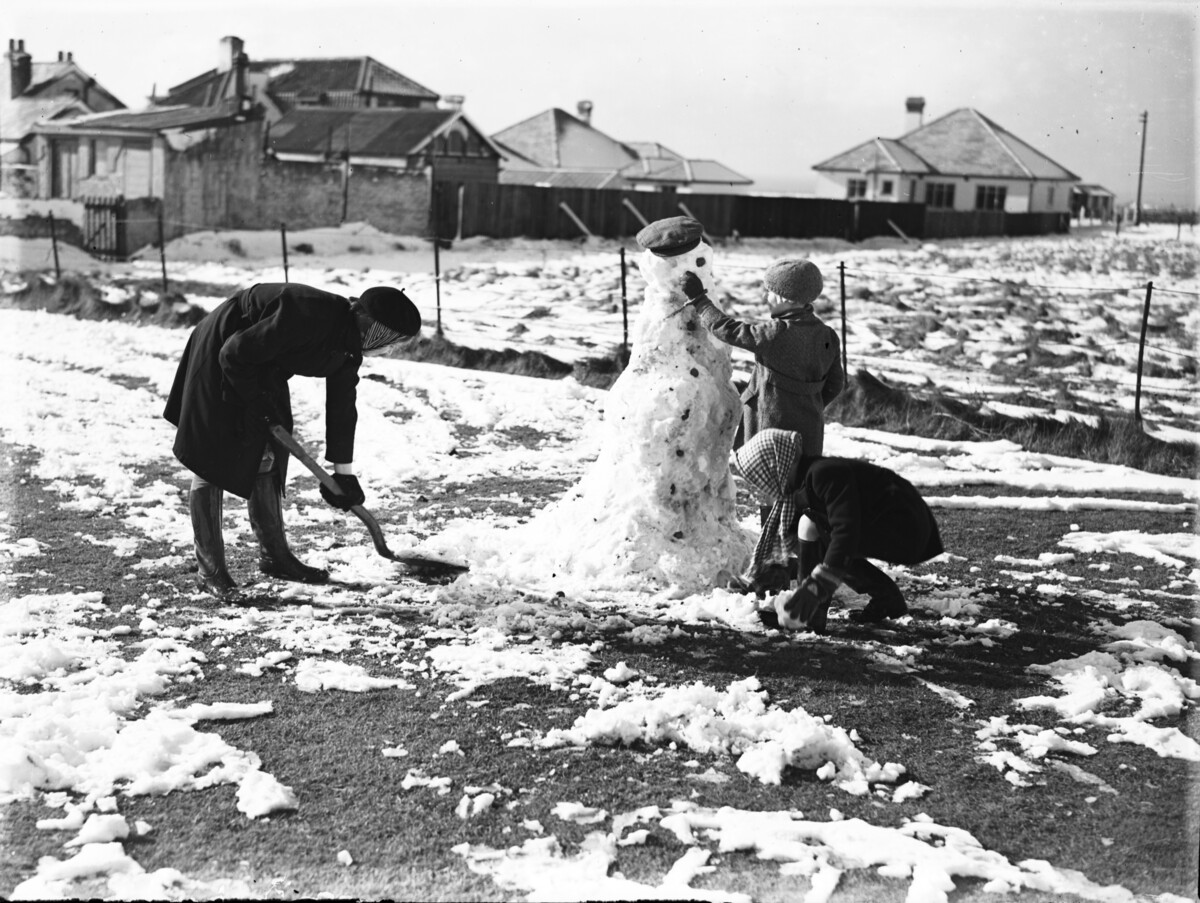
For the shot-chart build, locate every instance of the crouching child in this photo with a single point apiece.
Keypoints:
(852, 510)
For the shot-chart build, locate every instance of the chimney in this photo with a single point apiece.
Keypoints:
(585, 110)
(229, 54)
(452, 101)
(20, 67)
(914, 118)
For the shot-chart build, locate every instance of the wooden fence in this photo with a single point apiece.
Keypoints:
(465, 209)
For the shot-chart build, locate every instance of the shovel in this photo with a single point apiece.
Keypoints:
(431, 567)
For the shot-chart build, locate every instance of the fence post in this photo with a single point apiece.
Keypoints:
(624, 309)
(283, 241)
(435, 194)
(576, 220)
(842, 280)
(162, 247)
(1137, 394)
(54, 245)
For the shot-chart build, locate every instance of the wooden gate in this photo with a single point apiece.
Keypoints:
(104, 233)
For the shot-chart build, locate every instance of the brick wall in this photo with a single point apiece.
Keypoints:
(226, 182)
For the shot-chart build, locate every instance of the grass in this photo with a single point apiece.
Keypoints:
(327, 746)
(869, 402)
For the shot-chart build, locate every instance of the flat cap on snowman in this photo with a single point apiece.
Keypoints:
(671, 237)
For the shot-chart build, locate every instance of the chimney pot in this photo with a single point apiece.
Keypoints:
(914, 108)
(584, 108)
(20, 68)
(229, 49)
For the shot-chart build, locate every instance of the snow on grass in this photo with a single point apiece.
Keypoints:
(85, 718)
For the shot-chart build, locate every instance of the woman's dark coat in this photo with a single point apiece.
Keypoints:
(866, 511)
(797, 372)
(232, 380)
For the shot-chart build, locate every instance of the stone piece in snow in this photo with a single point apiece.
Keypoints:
(261, 794)
(100, 829)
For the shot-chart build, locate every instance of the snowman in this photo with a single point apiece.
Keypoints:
(656, 510)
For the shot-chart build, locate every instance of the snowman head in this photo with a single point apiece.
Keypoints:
(664, 272)
(672, 246)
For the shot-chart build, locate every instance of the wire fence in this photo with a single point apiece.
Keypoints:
(1006, 282)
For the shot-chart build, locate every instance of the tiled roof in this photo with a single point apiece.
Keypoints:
(158, 118)
(304, 77)
(652, 149)
(877, 155)
(563, 178)
(19, 117)
(312, 76)
(964, 142)
(683, 172)
(555, 139)
(361, 131)
(44, 101)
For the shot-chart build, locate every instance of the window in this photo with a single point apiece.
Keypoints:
(939, 194)
(886, 188)
(856, 188)
(1050, 196)
(990, 197)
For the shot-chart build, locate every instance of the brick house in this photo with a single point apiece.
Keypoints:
(961, 161)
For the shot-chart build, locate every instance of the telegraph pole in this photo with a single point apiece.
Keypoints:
(1141, 169)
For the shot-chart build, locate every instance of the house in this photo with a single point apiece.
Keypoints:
(556, 149)
(252, 145)
(961, 161)
(34, 93)
(1094, 202)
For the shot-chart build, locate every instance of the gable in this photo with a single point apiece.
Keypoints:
(877, 155)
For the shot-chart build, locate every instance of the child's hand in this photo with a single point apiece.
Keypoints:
(690, 285)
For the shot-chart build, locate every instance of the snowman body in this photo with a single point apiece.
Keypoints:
(656, 510)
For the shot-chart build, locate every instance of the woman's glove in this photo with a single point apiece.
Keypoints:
(352, 493)
(808, 606)
(691, 285)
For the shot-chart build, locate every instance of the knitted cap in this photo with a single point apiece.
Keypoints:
(671, 237)
(391, 308)
(795, 279)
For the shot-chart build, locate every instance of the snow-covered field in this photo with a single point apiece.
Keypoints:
(1039, 325)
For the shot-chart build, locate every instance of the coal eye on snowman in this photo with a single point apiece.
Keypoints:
(699, 261)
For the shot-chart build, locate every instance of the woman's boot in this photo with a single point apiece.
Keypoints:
(207, 507)
(275, 559)
(886, 599)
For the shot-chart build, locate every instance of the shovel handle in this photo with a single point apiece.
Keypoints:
(288, 441)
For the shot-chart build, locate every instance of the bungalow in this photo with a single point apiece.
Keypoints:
(556, 149)
(961, 161)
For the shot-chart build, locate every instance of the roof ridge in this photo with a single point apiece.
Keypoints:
(994, 129)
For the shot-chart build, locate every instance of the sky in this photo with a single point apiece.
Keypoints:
(94, 713)
(768, 87)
